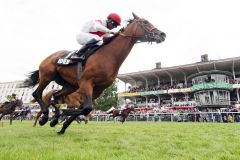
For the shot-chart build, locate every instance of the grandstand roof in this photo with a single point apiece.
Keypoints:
(179, 72)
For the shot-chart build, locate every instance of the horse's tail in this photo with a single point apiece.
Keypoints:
(32, 80)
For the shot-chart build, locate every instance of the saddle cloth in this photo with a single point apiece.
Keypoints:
(66, 59)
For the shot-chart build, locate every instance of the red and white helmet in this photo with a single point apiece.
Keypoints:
(115, 17)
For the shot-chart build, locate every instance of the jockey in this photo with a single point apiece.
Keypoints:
(110, 110)
(13, 97)
(94, 31)
(10, 98)
(125, 106)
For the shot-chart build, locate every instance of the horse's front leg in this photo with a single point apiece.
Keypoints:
(123, 119)
(55, 117)
(11, 118)
(1, 117)
(86, 118)
(78, 119)
(37, 117)
(66, 124)
(84, 109)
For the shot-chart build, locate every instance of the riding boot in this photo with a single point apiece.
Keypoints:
(90, 44)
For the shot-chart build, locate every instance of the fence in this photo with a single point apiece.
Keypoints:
(177, 117)
(171, 117)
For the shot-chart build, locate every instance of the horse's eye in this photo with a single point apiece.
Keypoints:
(145, 22)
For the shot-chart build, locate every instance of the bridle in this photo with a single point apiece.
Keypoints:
(148, 35)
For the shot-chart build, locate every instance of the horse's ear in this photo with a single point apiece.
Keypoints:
(135, 16)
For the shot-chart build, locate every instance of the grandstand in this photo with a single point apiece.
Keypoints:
(206, 84)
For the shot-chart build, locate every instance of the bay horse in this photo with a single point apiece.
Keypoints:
(123, 115)
(79, 119)
(69, 100)
(21, 114)
(9, 108)
(98, 73)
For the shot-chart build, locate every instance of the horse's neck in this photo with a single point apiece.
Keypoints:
(14, 105)
(123, 47)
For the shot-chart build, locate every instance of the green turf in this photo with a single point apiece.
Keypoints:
(114, 141)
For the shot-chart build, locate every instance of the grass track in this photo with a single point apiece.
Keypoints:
(114, 141)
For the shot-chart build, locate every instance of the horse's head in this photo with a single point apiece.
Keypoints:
(144, 31)
(18, 103)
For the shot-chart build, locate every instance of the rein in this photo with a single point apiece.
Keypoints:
(148, 33)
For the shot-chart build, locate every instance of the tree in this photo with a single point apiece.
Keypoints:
(108, 98)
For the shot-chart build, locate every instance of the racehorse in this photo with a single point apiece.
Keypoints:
(123, 115)
(56, 104)
(22, 114)
(9, 108)
(98, 73)
(79, 119)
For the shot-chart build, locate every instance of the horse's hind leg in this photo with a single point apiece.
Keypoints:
(66, 89)
(37, 94)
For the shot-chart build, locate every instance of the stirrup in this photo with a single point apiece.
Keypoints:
(76, 56)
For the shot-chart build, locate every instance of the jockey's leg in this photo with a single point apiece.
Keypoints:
(121, 111)
(84, 48)
(87, 40)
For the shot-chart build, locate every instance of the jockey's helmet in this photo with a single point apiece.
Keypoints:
(128, 101)
(115, 17)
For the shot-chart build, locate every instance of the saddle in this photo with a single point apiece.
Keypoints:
(80, 56)
(72, 57)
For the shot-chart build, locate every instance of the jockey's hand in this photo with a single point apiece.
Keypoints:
(114, 33)
(106, 39)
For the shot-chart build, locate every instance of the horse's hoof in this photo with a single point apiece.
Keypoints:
(53, 122)
(43, 120)
(60, 132)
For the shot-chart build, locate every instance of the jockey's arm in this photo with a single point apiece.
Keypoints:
(99, 27)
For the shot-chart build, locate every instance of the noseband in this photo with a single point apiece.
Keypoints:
(148, 35)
